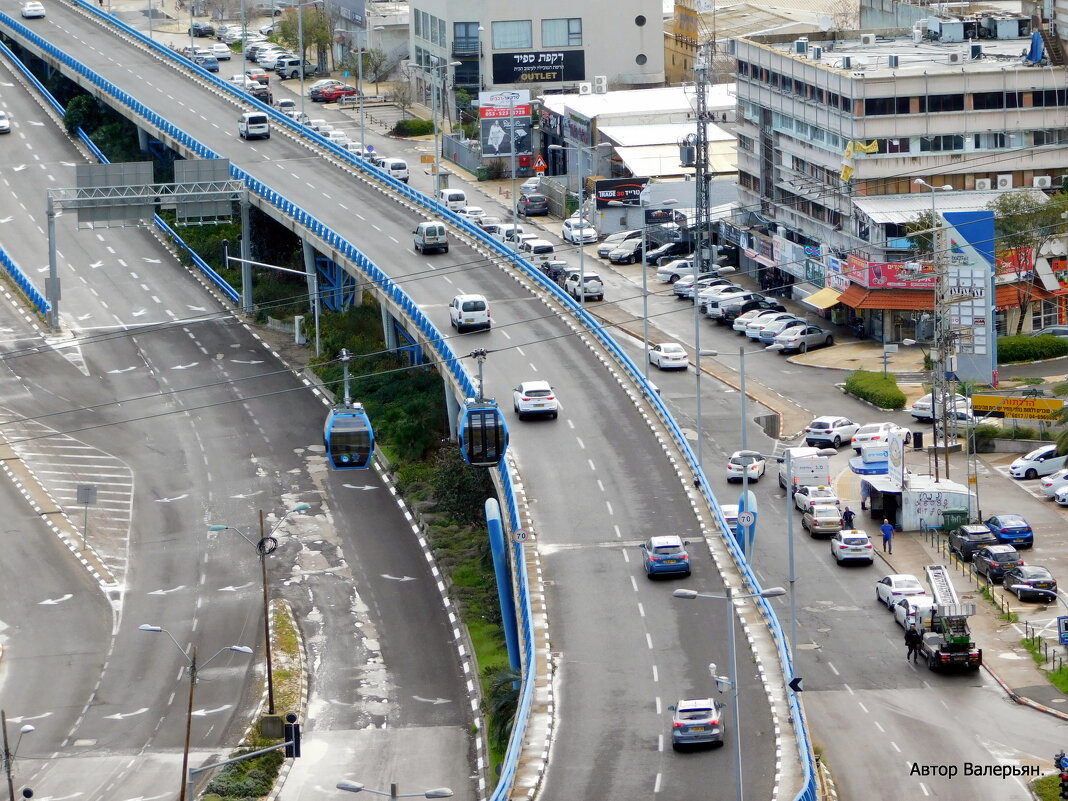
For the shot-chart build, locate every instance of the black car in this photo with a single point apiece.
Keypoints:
(735, 311)
(966, 540)
(1031, 580)
(201, 29)
(555, 270)
(993, 560)
(533, 205)
(668, 251)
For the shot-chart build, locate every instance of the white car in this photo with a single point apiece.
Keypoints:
(612, 241)
(891, 589)
(535, 397)
(578, 232)
(758, 324)
(5, 123)
(592, 288)
(675, 270)
(921, 409)
(730, 514)
(878, 433)
(686, 286)
(669, 356)
(32, 10)
(530, 186)
(830, 431)
(851, 545)
(1052, 484)
(469, 311)
(739, 464)
(807, 497)
(221, 52)
(1061, 496)
(913, 609)
(742, 321)
(717, 293)
(1039, 462)
(474, 214)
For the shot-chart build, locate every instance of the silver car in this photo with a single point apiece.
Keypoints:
(696, 721)
(753, 329)
(801, 338)
(613, 241)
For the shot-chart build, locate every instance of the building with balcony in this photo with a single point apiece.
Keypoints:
(549, 46)
(834, 128)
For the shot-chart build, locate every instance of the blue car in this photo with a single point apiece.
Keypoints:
(1012, 530)
(665, 554)
(697, 721)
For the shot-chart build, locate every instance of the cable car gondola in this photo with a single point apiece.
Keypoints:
(348, 437)
(482, 432)
(347, 434)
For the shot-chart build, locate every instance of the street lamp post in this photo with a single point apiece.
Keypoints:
(730, 598)
(356, 787)
(436, 99)
(193, 670)
(481, 31)
(9, 753)
(582, 206)
(642, 201)
(266, 546)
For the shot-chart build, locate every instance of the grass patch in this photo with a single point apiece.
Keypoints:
(1048, 788)
(876, 388)
(1059, 677)
(1030, 380)
(987, 592)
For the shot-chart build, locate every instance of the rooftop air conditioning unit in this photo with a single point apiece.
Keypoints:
(955, 58)
(815, 52)
(1005, 181)
(585, 88)
(847, 62)
(600, 84)
(1042, 182)
(867, 39)
(893, 61)
(982, 184)
(801, 45)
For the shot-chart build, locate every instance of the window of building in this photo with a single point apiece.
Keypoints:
(941, 143)
(1014, 100)
(989, 141)
(419, 23)
(900, 145)
(745, 143)
(988, 100)
(512, 35)
(440, 36)
(935, 103)
(561, 32)
(465, 37)
(1044, 313)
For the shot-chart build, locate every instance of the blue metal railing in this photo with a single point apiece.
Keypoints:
(445, 354)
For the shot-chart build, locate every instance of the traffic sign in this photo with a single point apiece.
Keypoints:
(539, 164)
(795, 684)
(520, 535)
(746, 518)
(370, 148)
(426, 158)
(1062, 629)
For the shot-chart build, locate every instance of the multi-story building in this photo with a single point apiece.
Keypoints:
(548, 46)
(833, 130)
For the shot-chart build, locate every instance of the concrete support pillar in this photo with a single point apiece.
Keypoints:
(452, 411)
(313, 287)
(389, 333)
(142, 139)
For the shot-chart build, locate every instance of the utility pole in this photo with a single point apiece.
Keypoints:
(703, 227)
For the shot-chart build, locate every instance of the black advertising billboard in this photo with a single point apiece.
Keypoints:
(622, 190)
(496, 140)
(539, 66)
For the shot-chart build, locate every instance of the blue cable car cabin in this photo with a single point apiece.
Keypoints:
(483, 434)
(348, 437)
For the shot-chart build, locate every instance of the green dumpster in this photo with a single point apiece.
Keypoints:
(953, 518)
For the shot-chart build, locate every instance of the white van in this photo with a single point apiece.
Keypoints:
(508, 232)
(254, 125)
(452, 199)
(469, 311)
(809, 469)
(430, 236)
(397, 168)
(537, 249)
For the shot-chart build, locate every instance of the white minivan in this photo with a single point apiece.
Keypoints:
(254, 125)
(397, 168)
(537, 249)
(430, 235)
(452, 199)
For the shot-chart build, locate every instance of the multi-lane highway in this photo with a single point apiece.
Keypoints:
(158, 398)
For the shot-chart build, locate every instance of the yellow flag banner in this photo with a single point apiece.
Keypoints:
(847, 172)
(849, 150)
(871, 147)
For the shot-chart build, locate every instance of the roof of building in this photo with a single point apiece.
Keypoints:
(721, 97)
(659, 134)
(662, 161)
(901, 209)
(782, 16)
(1005, 296)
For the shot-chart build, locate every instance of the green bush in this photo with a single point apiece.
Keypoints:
(415, 127)
(1030, 349)
(875, 388)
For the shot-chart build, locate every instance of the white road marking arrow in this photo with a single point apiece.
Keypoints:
(196, 308)
(168, 592)
(83, 317)
(7, 219)
(36, 122)
(137, 313)
(25, 718)
(434, 701)
(19, 168)
(123, 370)
(124, 715)
(54, 601)
(96, 264)
(397, 578)
(354, 486)
(244, 495)
(150, 261)
(185, 366)
(232, 588)
(242, 361)
(175, 498)
(202, 712)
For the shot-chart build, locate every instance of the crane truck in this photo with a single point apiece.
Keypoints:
(946, 639)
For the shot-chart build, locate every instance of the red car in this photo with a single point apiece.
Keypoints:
(331, 94)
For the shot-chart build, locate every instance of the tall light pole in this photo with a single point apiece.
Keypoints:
(300, 37)
(730, 598)
(267, 545)
(481, 31)
(643, 199)
(584, 170)
(435, 97)
(356, 787)
(193, 668)
(9, 753)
